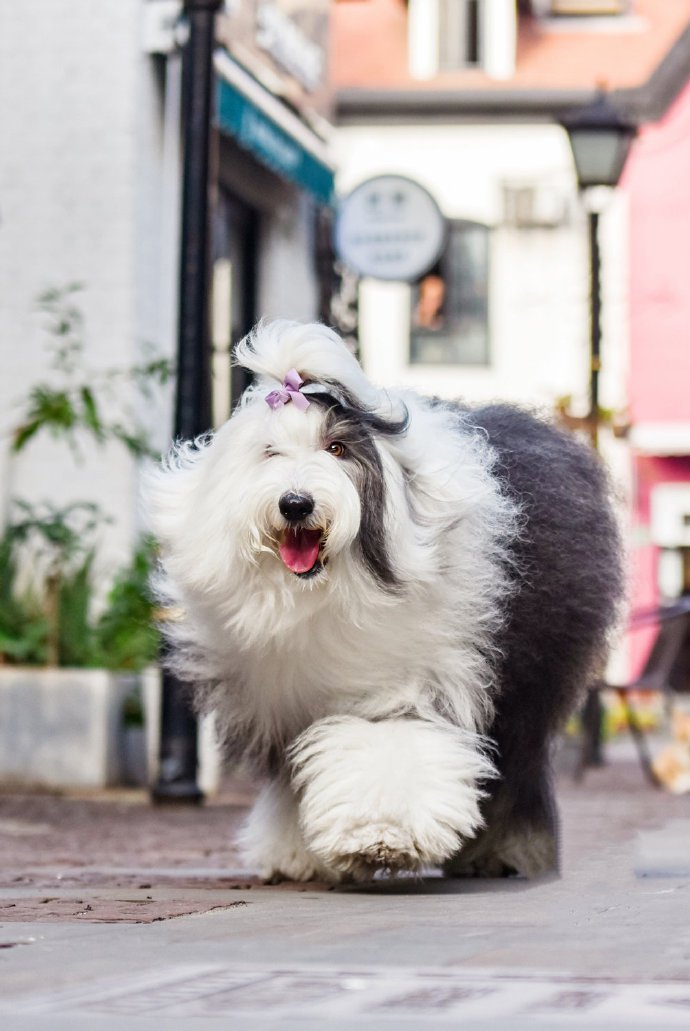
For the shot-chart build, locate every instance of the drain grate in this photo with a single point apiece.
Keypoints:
(388, 995)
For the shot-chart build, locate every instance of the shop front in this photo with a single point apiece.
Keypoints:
(274, 176)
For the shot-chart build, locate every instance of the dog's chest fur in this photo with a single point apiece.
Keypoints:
(384, 664)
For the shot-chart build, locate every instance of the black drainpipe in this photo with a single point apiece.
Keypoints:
(177, 777)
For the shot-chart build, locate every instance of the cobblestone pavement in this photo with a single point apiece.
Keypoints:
(113, 911)
(112, 856)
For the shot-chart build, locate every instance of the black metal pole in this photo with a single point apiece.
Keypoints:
(177, 777)
(593, 711)
(193, 399)
(594, 324)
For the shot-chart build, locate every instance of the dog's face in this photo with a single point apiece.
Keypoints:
(310, 485)
(294, 494)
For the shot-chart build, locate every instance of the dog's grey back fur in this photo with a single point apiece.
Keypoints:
(569, 584)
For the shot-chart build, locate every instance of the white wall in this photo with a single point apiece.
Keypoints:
(77, 197)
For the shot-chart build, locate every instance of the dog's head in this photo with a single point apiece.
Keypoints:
(295, 486)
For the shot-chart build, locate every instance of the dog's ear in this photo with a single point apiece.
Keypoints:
(169, 489)
(186, 503)
(390, 420)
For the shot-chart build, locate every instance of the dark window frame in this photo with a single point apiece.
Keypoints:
(444, 344)
(460, 42)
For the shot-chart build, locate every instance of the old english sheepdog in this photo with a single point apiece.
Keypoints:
(391, 602)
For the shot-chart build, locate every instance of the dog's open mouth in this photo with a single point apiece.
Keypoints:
(300, 550)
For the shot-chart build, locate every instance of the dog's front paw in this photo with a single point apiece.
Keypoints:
(393, 795)
(358, 848)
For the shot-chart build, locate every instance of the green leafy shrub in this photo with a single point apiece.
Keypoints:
(125, 635)
(77, 398)
(50, 620)
(23, 623)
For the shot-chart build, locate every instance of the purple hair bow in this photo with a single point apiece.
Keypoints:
(290, 391)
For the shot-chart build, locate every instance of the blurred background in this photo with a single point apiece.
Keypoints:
(552, 285)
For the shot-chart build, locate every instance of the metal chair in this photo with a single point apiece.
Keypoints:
(667, 670)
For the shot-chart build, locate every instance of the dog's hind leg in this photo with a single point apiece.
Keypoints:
(520, 835)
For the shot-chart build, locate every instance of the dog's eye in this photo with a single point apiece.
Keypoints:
(270, 453)
(336, 448)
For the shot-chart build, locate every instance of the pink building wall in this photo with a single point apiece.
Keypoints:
(657, 180)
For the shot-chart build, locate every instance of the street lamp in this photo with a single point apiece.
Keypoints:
(600, 139)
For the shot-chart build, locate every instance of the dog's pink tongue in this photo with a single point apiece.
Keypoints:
(299, 549)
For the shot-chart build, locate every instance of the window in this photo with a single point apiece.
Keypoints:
(450, 304)
(459, 34)
(450, 36)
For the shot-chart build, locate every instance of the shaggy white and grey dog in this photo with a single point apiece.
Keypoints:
(391, 603)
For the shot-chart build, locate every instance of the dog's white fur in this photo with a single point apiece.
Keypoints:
(366, 705)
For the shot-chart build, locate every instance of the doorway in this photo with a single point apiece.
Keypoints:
(234, 293)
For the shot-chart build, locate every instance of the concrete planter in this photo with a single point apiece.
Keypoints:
(62, 727)
(65, 728)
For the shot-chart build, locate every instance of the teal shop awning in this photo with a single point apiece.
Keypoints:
(270, 132)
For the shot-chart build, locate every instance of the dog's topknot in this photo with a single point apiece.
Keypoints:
(315, 351)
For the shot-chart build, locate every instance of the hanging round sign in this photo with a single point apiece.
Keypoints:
(391, 228)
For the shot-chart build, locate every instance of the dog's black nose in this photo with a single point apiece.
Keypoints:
(295, 507)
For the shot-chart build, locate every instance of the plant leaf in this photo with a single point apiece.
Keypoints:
(90, 416)
(23, 434)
